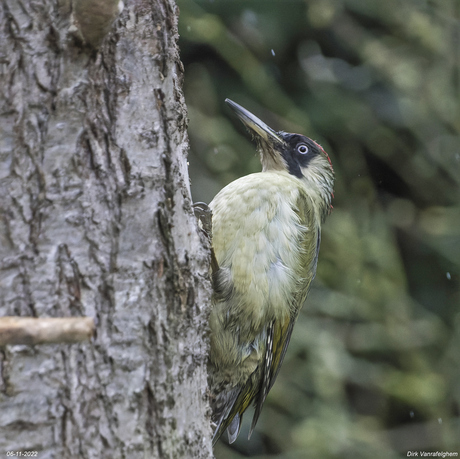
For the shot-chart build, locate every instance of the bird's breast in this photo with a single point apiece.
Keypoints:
(257, 234)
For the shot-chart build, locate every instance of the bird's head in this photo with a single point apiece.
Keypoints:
(296, 154)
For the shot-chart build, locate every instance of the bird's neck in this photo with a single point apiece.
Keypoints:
(320, 189)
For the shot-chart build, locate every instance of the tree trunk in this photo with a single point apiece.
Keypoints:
(96, 220)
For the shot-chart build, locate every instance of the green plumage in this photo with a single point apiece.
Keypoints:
(266, 235)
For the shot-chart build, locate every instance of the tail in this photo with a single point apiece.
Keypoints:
(230, 405)
(223, 417)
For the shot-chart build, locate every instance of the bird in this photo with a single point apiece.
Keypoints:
(266, 234)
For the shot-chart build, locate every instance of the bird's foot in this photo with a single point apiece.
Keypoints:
(204, 214)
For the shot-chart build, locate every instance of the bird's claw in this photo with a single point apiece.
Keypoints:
(204, 214)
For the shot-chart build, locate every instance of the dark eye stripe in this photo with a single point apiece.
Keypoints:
(296, 159)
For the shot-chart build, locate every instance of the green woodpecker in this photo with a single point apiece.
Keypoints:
(266, 232)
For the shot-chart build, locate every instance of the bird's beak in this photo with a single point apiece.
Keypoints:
(254, 124)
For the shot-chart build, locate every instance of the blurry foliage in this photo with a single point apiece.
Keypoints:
(373, 369)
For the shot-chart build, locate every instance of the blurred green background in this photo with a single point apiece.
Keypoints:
(374, 363)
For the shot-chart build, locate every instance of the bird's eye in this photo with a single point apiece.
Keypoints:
(302, 149)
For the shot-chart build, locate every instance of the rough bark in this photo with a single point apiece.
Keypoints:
(96, 220)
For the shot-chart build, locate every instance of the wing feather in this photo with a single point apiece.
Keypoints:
(278, 337)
